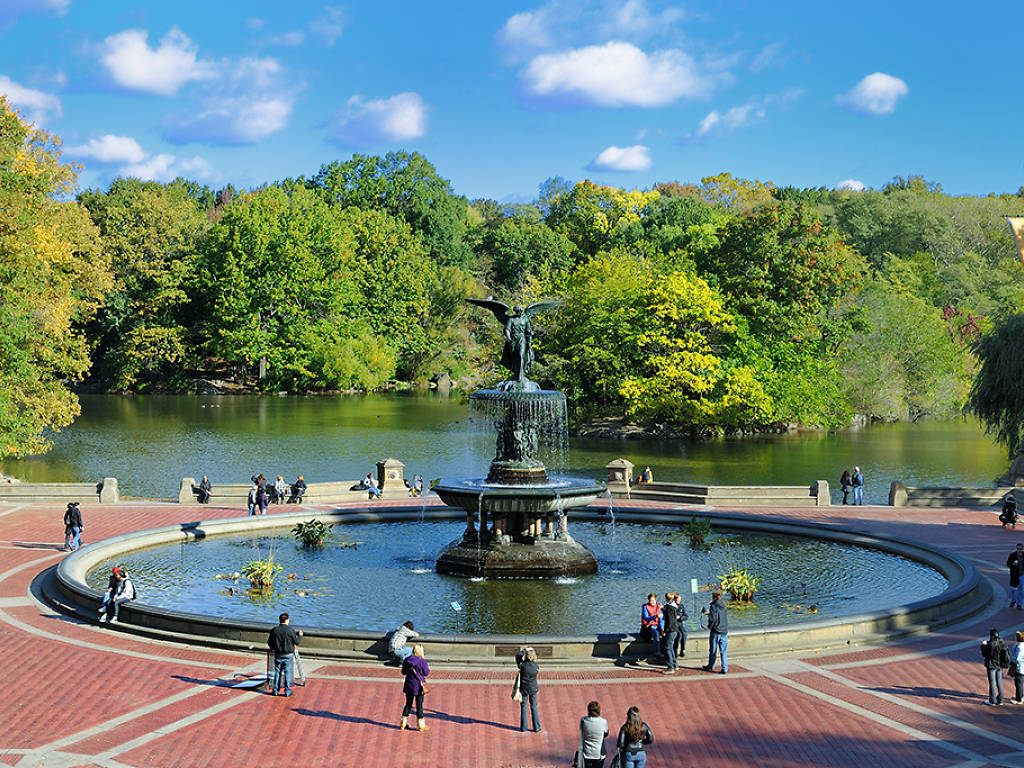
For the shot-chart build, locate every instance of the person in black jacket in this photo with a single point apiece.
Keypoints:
(72, 526)
(298, 490)
(1015, 562)
(671, 613)
(718, 625)
(997, 658)
(526, 660)
(1008, 514)
(282, 642)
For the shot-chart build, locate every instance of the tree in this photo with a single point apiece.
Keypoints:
(53, 274)
(519, 249)
(596, 217)
(997, 397)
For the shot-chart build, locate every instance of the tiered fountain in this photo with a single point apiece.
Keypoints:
(517, 522)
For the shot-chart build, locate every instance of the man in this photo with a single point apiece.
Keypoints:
(72, 526)
(204, 490)
(652, 622)
(123, 592)
(718, 624)
(398, 646)
(254, 498)
(997, 658)
(1015, 562)
(671, 614)
(858, 486)
(298, 490)
(1008, 515)
(680, 648)
(282, 642)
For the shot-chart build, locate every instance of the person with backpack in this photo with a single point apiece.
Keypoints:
(72, 527)
(997, 658)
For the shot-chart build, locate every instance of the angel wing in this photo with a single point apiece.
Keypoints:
(500, 309)
(539, 306)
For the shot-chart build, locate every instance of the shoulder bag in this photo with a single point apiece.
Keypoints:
(517, 695)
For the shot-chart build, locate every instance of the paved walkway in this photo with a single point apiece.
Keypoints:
(76, 694)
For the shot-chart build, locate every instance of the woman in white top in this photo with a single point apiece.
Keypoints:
(1017, 665)
(593, 732)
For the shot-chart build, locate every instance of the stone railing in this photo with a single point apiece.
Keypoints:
(901, 495)
(103, 492)
(620, 483)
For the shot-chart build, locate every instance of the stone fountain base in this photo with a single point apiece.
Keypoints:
(544, 558)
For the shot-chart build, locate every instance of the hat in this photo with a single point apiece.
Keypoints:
(117, 569)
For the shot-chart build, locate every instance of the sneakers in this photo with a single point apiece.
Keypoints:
(114, 620)
(708, 669)
(668, 671)
(1017, 701)
(288, 692)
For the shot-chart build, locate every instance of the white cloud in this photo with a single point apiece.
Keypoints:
(38, 107)
(328, 25)
(618, 74)
(289, 38)
(716, 124)
(528, 29)
(251, 102)
(254, 22)
(134, 65)
(855, 185)
(398, 118)
(768, 56)
(635, 158)
(876, 94)
(10, 9)
(110, 149)
(636, 20)
(167, 168)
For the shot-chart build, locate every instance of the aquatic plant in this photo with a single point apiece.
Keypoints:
(740, 583)
(261, 572)
(696, 530)
(312, 533)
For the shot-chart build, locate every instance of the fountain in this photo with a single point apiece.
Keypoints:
(511, 513)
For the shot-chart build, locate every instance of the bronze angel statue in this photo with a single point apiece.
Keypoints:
(517, 353)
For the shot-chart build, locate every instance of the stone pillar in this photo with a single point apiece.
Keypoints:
(108, 491)
(549, 526)
(563, 525)
(499, 525)
(185, 495)
(620, 476)
(897, 494)
(470, 524)
(391, 478)
(822, 497)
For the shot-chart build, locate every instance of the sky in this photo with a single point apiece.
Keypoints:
(501, 96)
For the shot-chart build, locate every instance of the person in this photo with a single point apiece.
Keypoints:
(204, 490)
(634, 735)
(371, 485)
(263, 498)
(1017, 668)
(417, 485)
(647, 476)
(671, 618)
(997, 658)
(857, 480)
(718, 625)
(416, 671)
(1008, 515)
(680, 648)
(72, 526)
(846, 483)
(112, 583)
(298, 490)
(526, 660)
(652, 622)
(280, 490)
(282, 642)
(123, 592)
(254, 498)
(593, 732)
(398, 645)
(1015, 562)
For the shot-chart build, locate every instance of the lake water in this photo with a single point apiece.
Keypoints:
(149, 442)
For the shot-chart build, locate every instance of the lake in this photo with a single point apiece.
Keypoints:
(149, 442)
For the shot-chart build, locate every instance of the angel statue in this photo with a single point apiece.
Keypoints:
(517, 354)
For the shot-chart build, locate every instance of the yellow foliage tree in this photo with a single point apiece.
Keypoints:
(53, 275)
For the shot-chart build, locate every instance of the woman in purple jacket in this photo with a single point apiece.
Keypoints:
(416, 671)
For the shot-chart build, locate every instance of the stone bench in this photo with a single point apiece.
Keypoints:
(316, 493)
(901, 495)
(814, 495)
(103, 492)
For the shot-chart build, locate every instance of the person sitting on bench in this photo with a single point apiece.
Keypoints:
(298, 490)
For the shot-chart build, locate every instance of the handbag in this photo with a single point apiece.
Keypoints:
(517, 695)
(616, 760)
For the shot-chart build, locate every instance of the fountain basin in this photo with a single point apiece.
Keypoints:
(558, 493)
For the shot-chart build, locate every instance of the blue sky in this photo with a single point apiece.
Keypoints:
(500, 95)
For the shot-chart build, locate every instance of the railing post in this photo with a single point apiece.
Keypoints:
(185, 495)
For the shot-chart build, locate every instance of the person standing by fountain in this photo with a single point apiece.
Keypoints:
(1017, 668)
(282, 642)
(634, 735)
(997, 658)
(416, 671)
(1015, 562)
(593, 732)
(846, 483)
(526, 660)
(254, 498)
(672, 622)
(718, 624)
(858, 486)
(398, 646)
(72, 526)
(652, 622)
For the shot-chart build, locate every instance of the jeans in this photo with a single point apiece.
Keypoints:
(858, 494)
(408, 705)
(995, 686)
(532, 698)
(1018, 687)
(114, 607)
(374, 492)
(72, 540)
(636, 760)
(283, 672)
(718, 643)
(1017, 593)
(670, 648)
(656, 639)
(402, 653)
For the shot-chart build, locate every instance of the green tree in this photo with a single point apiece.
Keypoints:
(596, 217)
(997, 397)
(520, 249)
(53, 274)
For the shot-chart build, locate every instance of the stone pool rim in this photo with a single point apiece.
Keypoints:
(966, 593)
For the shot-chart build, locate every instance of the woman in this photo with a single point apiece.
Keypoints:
(123, 592)
(634, 735)
(652, 622)
(593, 732)
(526, 659)
(1017, 668)
(72, 526)
(280, 490)
(416, 671)
(846, 482)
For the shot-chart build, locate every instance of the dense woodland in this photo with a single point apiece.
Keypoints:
(720, 305)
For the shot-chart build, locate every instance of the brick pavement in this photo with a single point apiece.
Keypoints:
(80, 695)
